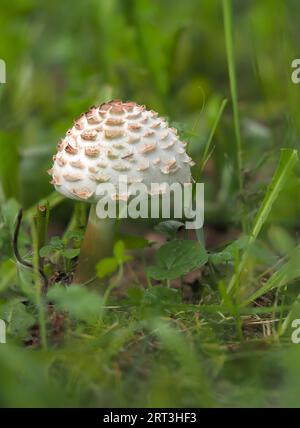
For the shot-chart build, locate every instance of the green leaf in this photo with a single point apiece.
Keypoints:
(176, 258)
(119, 250)
(46, 251)
(228, 253)
(18, 317)
(71, 253)
(106, 267)
(10, 210)
(169, 228)
(74, 235)
(134, 242)
(80, 302)
(57, 243)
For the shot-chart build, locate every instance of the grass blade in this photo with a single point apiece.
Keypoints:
(287, 162)
(42, 221)
(227, 17)
(285, 274)
(206, 152)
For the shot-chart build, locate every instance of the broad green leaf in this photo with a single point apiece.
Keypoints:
(227, 255)
(106, 267)
(46, 251)
(10, 210)
(119, 250)
(7, 274)
(71, 253)
(134, 242)
(57, 243)
(176, 258)
(18, 318)
(169, 228)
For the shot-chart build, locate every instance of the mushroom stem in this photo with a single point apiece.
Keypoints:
(97, 243)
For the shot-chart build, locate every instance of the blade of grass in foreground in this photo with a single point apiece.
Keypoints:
(285, 274)
(38, 288)
(206, 153)
(287, 162)
(227, 17)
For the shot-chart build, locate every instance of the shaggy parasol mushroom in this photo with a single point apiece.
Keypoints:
(109, 140)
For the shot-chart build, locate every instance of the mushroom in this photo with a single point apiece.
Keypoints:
(113, 139)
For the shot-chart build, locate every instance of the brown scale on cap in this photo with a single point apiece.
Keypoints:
(149, 134)
(155, 125)
(148, 148)
(77, 164)
(122, 139)
(170, 166)
(83, 193)
(80, 123)
(111, 134)
(114, 122)
(168, 145)
(99, 177)
(89, 134)
(71, 150)
(55, 180)
(112, 154)
(92, 152)
(134, 116)
(61, 161)
(72, 177)
(120, 167)
(92, 116)
(134, 127)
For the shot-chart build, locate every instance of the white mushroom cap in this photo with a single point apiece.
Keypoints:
(116, 139)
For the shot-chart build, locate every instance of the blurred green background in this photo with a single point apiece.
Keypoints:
(64, 56)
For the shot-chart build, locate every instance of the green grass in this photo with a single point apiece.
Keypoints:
(181, 325)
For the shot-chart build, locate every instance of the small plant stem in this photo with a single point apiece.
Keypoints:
(42, 221)
(19, 258)
(97, 243)
(200, 236)
(80, 215)
(109, 289)
(227, 16)
(38, 287)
